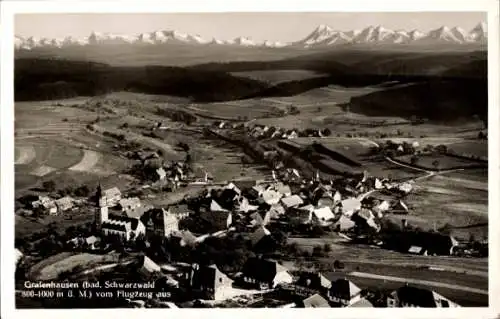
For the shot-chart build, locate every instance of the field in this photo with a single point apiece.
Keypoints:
(443, 162)
(477, 148)
(52, 267)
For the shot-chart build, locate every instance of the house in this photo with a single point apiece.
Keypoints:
(259, 234)
(129, 204)
(301, 215)
(361, 303)
(44, 202)
(208, 282)
(264, 274)
(185, 238)
(160, 222)
(19, 256)
(148, 267)
(283, 189)
(314, 281)
(344, 223)
(216, 221)
(405, 188)
(337, 197)
(271, 197)
(323, 216)
(275, 211)
(344, 293)
(417, 250)
(291, 201)
(112, 196)
(123, 227)
(408, 296)
(245, 207)
(382, 207)
(64, 204)
(350, 206)
(161, 174)
(378, 184)
(315, 301)
(256, 219)
(180, 210)
(92, 242)
(233, 187)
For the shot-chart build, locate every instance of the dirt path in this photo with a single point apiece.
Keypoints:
(26, 155)
(418, 282)
(89, 160)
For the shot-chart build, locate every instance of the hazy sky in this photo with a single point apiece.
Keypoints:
(225, 26)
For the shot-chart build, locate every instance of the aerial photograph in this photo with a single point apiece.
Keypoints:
(251, 160)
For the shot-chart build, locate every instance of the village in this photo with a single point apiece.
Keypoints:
(224, 244)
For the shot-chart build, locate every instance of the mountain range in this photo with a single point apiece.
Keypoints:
(322, 36)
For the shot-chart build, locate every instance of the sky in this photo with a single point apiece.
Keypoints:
(284, 27)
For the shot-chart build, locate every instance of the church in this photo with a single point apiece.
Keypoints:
(127, 228)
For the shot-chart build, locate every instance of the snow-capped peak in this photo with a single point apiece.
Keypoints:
(322, 35)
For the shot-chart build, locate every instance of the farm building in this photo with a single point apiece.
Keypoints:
(264, 274)
(208, 282)
(64, 204)
(291, 201)
(344, 293)
(408, 296)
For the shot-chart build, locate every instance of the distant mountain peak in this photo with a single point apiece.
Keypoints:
(322, 36)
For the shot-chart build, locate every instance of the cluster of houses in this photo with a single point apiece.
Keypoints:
(272, 132)
(265, 277)
(51, 206)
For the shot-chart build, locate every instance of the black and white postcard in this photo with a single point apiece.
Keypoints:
(233, 158)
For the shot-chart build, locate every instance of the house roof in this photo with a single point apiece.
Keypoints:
(362, 303)
(345, 223)
(215, 207)
(150, 265)
(65, 202)
(316, 301)
(258, 234)
(233, 186)
(178, 209)
(349, 205)
(416, 296)
(324, 213)
(185, 235)
(131, 201)
(415, 249)
(260, 269)
(112, 192)
(344, 289)
(92, 239)
(271, 197)
(292, 201)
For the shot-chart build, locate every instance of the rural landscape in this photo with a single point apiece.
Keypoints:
(162, 170)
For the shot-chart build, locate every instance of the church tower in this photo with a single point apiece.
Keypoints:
(101, 213)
